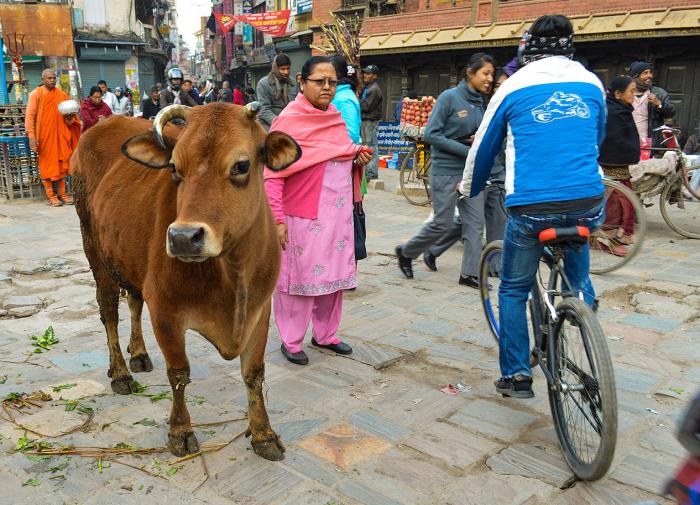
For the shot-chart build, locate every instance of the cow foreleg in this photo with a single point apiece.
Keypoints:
(171, 339)
(140, 361)
(266, 443)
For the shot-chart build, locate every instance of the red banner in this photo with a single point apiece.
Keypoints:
(273, 23)
(226, 21)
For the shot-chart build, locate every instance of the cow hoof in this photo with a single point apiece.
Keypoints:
(271, 448)
(141, 363)
(183, 444)
(124, 385)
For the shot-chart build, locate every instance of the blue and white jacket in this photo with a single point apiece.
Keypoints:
(552, 114)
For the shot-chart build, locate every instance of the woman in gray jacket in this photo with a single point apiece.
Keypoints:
(450, 131)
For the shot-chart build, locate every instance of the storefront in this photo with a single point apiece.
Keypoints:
(430, 61)
(99, 60)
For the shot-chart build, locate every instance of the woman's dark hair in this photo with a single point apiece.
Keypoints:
(620, 83)
(341, 70)
(477, 61)
(554, 25)
(154, 88)
(282, 60)
(499, 73)
(95, 89)
(311, 64)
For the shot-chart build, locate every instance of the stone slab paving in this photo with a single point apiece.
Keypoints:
(370, 429)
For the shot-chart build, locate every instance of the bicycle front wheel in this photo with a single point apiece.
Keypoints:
(414, 177)
(620, 238)
(680, 209)
(582, 399)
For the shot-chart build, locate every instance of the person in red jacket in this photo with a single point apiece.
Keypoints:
(94, 109)
(238, 96)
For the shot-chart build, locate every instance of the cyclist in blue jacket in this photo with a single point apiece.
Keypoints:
(552, 115)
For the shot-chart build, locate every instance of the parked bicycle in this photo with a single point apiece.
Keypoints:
(613, 246)
(569, 346)
(414, 175)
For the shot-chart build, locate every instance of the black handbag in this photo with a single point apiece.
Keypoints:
(358, 221)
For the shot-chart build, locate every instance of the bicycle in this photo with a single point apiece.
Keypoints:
(679, 203)
(578, 370)
(414, 175)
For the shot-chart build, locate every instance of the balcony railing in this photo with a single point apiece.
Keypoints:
(353, 4)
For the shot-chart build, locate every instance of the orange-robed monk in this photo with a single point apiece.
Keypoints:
(52, 135)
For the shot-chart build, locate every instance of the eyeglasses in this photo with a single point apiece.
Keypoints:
(324, 82)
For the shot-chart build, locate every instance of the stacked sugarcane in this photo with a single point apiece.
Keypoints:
(343, 37)
(19, 166)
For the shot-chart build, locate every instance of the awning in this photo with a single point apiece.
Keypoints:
(604, 26)
(47, 27)
(296, 35)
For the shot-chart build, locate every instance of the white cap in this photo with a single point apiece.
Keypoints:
(68, 107)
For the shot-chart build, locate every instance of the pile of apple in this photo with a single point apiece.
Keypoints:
(415, 115)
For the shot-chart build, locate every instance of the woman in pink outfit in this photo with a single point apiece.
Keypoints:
(312, 201)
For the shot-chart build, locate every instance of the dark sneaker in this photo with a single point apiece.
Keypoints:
(405, 263)
(298, 358)
(429, 261)
(340, 347)
(519, 386)
(469, 280)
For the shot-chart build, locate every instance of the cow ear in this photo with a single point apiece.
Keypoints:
(145, 150)
(280, 151)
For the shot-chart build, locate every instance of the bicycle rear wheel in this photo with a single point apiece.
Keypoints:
(489, 284)
(583, 399)
(414, 177)
(620, 238)
(680, 209)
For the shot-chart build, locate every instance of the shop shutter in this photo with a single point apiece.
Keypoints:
(92, 71)
(147, 73)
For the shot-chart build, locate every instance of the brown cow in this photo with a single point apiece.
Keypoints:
(196, 242)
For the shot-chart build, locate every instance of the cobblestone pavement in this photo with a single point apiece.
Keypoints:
(373, 429)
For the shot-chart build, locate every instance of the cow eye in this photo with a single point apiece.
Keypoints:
(176, 178)
(240, 168)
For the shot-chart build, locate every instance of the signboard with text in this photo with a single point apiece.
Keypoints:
(389, 138)
(304, 6)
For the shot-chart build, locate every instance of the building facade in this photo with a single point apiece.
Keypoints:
(423, 44)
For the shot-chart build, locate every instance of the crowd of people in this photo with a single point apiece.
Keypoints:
(489, 138)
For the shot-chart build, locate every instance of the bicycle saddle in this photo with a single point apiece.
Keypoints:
(569, 234)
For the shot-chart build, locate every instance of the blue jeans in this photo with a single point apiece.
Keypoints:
(369, 138)
(521, 256)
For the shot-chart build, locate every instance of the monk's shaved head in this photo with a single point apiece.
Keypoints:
(48, 77)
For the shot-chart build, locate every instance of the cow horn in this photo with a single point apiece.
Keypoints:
(252, 109)
(165, 116)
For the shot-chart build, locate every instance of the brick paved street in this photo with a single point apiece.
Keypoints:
(373, 429)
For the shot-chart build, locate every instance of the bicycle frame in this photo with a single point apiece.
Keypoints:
(544, 301)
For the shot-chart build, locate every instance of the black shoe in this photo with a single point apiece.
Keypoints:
(429, 261)
(519, 386)
(340, 347)
(404, 263)
(469, 280)
(298, 358)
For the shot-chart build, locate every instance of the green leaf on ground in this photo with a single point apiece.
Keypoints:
(61, 387)
(31, 482)
(60, 467)
(173, 470)
(146, 422)
(197, 400)
(3, 379)
(677, 390)
(211, 433)
(70, 406)
(44, 342)
(163, 395)
(14, 396)
(140, 388)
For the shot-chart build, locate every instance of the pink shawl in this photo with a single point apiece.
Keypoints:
(322, 136)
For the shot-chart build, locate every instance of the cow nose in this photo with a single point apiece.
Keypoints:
(186, 240)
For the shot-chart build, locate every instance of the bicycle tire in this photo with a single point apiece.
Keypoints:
(407, 175)
(666, 212)
(598, 389)
(489, 296)
(488, 277)
(602, 240)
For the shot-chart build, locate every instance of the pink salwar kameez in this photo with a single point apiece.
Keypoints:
(318, 262)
